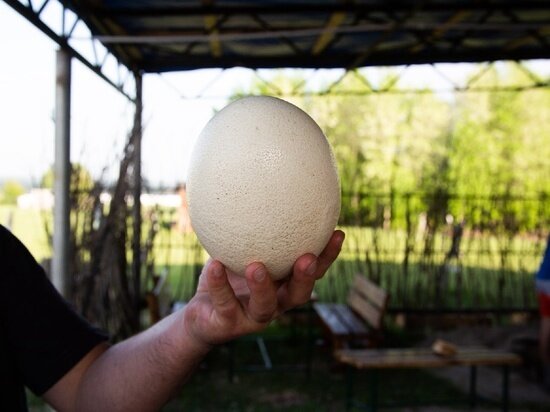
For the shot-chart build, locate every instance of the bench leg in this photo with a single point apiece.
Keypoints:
(373, 396)
(372, 403)
(505, 387)
(349, 387)
(231, 362)
(264, 353)
(473, 386)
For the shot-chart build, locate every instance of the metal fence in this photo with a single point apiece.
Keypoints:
(432, 253)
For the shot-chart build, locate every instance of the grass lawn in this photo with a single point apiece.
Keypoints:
(29, 226)
(493, 271)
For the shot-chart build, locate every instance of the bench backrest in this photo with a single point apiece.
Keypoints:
(368, 300)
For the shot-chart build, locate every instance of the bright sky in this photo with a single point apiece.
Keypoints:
(101, 117)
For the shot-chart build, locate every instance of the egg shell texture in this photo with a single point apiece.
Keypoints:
(263, 186)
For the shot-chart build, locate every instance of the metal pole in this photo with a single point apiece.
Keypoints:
(136, 210)
(61, 275)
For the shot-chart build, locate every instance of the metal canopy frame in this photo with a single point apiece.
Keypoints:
(63, 37)
(167, 35)
(302, 89)
(163, 35)
(160, 36)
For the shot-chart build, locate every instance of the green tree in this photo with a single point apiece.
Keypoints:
(500, 149)
(382, 142)
(476, 146)
(11, 190)
(385, 144)
(81, 179)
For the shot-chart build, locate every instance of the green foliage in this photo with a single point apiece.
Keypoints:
(11, 190)
(81, 179)
(472, 156)
(384, 144)
(500, 148)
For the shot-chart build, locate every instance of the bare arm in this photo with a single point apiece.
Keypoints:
(143, 372)
(138, 374)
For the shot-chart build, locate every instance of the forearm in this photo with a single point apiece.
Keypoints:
(143, 372)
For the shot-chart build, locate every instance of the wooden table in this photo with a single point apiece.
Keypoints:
(376, 359)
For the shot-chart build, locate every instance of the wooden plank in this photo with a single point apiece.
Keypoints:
(365, 309)
(354, 324)
(375, 294)
(330, 319)
(336, 19)
(423, 358)
(210, 22)
(457, 17)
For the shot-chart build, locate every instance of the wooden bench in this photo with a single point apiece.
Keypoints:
(360, 321)
(375, 359)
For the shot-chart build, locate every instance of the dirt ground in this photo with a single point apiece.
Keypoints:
(325, 391)
(526, 391)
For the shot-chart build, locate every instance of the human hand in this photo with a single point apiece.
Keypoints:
(226, 306)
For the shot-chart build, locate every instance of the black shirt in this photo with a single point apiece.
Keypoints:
(41, 337)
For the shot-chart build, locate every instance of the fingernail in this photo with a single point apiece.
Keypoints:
(259, 274)
(311, 268)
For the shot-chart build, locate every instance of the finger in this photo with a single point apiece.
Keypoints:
(299, 287)
(330, 253)
(307, 269)
(202, 284)
(262, 305)
(223, 298)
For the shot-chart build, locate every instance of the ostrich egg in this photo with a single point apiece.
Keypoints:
(262, 186)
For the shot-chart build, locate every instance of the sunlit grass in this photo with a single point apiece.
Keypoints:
(29, 226)
(492, 271)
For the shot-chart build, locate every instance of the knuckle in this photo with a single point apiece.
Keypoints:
(227, 307)
(262, 317)
(301, 298)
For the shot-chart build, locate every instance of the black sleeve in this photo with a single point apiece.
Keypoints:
(47, 338)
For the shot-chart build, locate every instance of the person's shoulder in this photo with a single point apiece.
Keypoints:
(10, 245)
(6, 237)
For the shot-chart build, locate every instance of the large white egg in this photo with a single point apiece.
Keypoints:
(262, 186)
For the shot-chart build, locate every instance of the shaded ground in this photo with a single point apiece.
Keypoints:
(324, 390)
(525, 387)
(210, 389)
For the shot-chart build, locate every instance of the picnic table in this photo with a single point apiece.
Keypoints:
(373, 360)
